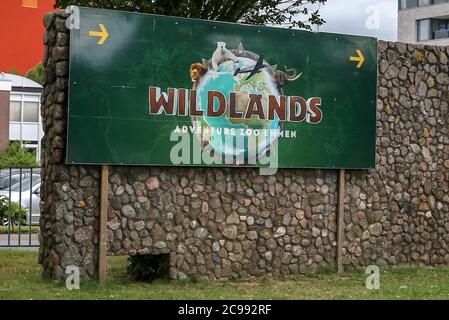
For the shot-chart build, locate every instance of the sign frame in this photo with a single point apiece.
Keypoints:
(99, 29)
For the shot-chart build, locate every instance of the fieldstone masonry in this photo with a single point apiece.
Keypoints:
(221, 223)
(69, 194)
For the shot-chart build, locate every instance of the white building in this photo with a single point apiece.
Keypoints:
(25, 123)
(424, 21)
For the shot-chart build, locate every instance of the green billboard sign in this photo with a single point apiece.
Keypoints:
(157, 90)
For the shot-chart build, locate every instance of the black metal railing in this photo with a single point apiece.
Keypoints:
(19, 206)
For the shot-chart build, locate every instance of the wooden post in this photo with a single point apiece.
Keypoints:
(103, 223)
(341, 221)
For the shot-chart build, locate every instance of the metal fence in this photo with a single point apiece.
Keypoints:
(19, 206)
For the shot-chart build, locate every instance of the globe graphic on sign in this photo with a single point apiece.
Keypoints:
(252, 137)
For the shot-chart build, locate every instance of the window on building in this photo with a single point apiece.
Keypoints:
(424, 30)
(440, 28)
(30, 111)
(24, 108)
(429, 29)
(30, 3)
(405, 4)
(15, 111)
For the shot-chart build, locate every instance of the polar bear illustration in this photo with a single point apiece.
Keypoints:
(221, 55)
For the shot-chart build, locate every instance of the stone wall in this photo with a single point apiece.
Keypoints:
(399, 214)
(220, 223)
(224, 222)
(69, 194)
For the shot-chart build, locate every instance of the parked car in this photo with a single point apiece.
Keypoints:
(5, 180)
(12, 177)
(29, 199)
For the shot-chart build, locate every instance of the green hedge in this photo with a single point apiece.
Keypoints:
(23, 230)
(16, 209)
(16, 155)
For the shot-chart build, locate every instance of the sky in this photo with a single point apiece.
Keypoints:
(376, 18)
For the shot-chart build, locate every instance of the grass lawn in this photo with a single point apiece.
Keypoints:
(20, 278)
(23, 229)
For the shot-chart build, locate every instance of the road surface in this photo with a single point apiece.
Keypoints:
(24, 241)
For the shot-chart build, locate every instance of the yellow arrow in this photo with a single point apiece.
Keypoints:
(103, 34)
(360, 59)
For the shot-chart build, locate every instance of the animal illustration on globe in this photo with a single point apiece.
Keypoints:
(241, 74)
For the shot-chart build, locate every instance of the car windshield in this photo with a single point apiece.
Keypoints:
(26, 184)
(5, 181)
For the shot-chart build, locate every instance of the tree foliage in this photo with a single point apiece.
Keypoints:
(14, 70)
(290, 13)
(37, 73)
(16, 155)
(11, 212)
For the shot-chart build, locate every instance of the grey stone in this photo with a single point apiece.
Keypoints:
(443, 78)
(153, 183)
(375, 229)
(392, 72)
(314, 198)
(60, 54)
(281, 231)
(252, 235)
(233, 219)
(128, 211)
(62, 68)
(200, 233)
(230, 232)
(316, 232)
(160, 245)
(415, 148)
(114, 224)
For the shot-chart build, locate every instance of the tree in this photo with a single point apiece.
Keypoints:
(290, 13)
(13, 70)
(37, 73)
(11, 211)
(16, 155)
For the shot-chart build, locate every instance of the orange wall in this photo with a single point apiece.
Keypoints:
(21, 33)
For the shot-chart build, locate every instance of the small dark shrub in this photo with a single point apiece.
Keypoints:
(148, 267)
